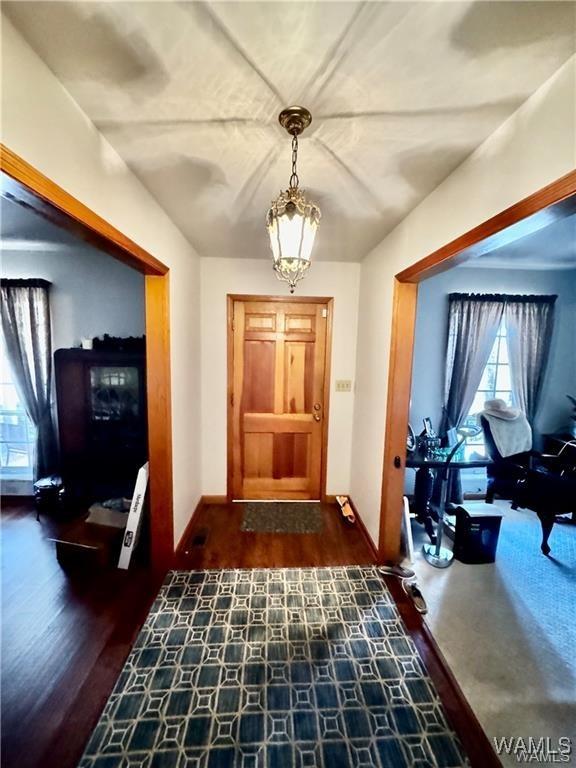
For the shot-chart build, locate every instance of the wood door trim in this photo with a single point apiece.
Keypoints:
(281, 299)
(230, 299)
(559, 194)
(327, 379)
(30, 188)
(558, 199)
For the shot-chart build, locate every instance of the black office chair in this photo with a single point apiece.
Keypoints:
(544, 483)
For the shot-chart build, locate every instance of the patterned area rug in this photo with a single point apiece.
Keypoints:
(282, 517)
(281, 668)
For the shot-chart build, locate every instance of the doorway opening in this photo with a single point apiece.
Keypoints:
(554, 202)
(25, 186)
(486, 608)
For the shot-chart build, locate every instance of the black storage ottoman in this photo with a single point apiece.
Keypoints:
(477, 530)
(48, 495)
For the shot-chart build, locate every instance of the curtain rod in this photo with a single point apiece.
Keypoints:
(21, 282)
(504, 297)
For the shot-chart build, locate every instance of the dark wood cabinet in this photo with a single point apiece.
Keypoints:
(101, 401)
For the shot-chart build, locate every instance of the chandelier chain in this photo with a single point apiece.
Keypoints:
(294, 180)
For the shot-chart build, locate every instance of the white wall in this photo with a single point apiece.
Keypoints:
(432, 326)
(91, 292)
(42, 124)
(535, 146)
(255, 276)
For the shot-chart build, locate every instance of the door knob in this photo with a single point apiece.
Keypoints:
(317, 406)
(317, 417)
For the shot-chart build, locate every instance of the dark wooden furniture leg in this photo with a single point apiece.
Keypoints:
(423, 487)
(547, 523)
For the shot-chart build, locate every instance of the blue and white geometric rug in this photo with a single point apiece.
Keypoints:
(275, 668)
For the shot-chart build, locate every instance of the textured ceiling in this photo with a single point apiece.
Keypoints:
(552, 247)
(189, 93)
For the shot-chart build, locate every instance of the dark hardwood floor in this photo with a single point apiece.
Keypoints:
(215, 540)
(65, 638)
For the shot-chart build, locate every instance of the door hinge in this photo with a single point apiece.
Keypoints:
(324, 312)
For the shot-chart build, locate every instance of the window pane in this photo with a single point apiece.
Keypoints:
(505, 395)
(472, 451)
(488, 380)
(494, 353)
(17, 434)
(495, 382)
(503, 378)
(15, 455)
(9, 397)
(13, 427)
(478, 403)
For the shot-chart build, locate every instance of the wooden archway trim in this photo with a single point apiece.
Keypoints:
(554, 201)
(49, 199)
(29, 187)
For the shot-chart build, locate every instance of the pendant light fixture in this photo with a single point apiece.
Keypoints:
(292, 219)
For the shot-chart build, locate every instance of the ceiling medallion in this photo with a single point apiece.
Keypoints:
(292, 220)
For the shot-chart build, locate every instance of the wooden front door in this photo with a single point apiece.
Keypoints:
(278, 380)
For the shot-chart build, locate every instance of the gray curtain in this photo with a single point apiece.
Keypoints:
(529, 326)
(25, 317)
(473, 322)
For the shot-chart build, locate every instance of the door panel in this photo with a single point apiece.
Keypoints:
(278, 390)
(259, 364)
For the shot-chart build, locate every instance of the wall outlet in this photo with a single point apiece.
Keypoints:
(343, 385)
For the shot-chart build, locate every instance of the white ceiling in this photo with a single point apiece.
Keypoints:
(400, 92)
(552, 247)
(22, 229)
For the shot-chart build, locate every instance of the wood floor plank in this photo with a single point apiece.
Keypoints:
(227, 546)
(65, 638)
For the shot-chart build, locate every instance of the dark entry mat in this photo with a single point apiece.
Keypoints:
(282, 517)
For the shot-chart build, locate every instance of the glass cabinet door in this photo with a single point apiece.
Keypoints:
(114, 393)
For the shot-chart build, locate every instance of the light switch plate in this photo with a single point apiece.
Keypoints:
(343, 385)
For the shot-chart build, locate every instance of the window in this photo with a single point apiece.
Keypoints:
(495, 383)
(17, 433)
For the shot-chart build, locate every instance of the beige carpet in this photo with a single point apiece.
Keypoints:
(508, 630)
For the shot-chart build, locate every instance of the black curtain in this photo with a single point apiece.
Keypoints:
(529, 328)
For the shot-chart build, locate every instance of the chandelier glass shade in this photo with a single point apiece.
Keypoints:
(292, 219)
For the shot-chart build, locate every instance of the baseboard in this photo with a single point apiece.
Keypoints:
(364, 531)
(215, 499)
(203, 501)
(330, 499)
